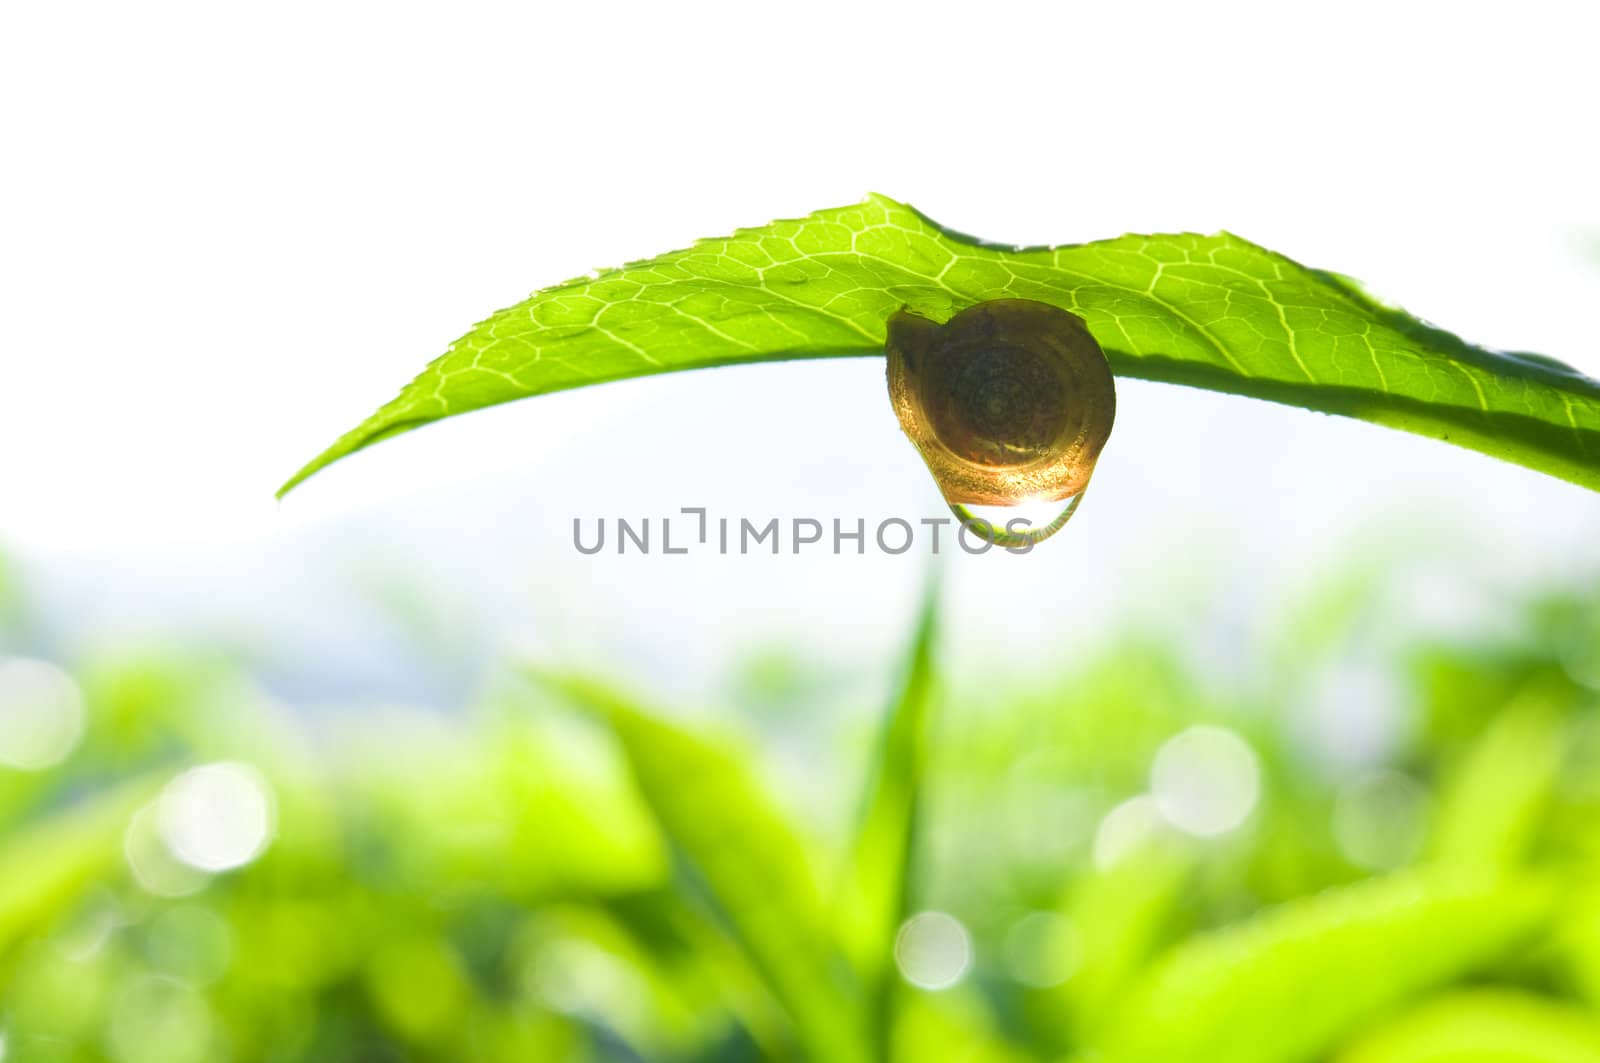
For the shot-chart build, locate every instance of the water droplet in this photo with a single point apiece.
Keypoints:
(1024, 524)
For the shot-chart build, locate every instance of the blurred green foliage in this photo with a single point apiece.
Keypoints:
(1403, 869)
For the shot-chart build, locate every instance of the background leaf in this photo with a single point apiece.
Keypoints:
(738, 850)
(1291, 982)
(1491, 806)
(1208, 311)
(1120, 914)
(1483, 1026)
(875, 897)
(44, 868)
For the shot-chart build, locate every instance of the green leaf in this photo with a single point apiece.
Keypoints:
(1490, 806)
(1483, 1026)
(1121, 914)
(1214, 312)
(875, 897)
(44, 868)
(737, 849)
(1290, 983)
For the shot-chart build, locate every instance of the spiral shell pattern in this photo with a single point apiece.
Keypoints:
(1009, 401)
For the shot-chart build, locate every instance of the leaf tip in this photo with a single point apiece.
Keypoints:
(292, 482)
(308, 470)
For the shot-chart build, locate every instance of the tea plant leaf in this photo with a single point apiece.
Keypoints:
(1213, 311)
(1482, 1026)
(1491, 805)
(1288, 984)
(1121, 914)
(875, 897)
(738, 850)
(952, 1026)
(44, 867)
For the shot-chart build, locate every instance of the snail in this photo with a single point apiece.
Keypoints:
(1010, 401)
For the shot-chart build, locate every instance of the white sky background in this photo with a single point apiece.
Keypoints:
(228, 232)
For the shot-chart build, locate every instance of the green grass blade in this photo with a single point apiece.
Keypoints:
(875, 897)
(1491, 805)
(1482, 1026)
(1288, 985)
(1215, 312)
(45, 867)
(1121, 914)
(737, 849)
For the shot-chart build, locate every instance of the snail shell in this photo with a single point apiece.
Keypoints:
(1011, 400)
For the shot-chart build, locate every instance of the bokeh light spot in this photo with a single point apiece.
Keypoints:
(1124, 830)
(1380, 820)
(1205, 781)
(581, 978)
(153, 866)
(191, 943)
(933, 950)
(1353, 720)
(1042, 949)
(41, 714)
(86, 936)
(158, 1020)
(216, 817)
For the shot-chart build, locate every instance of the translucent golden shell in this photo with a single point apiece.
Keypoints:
(1009, 401)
